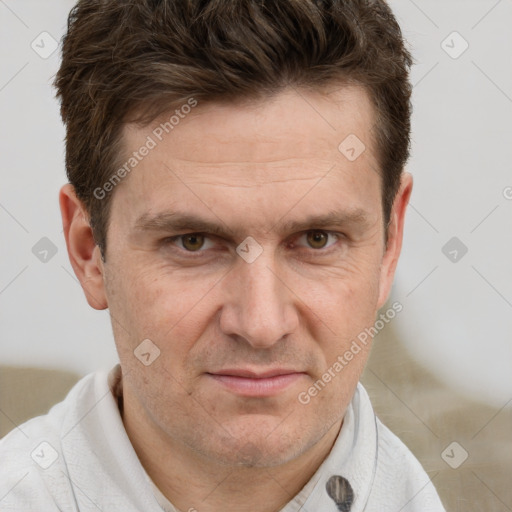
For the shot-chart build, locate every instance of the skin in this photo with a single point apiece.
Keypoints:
(249, 167)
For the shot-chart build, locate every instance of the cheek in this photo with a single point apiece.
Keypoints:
(170, 310)
(344, 302)
(345, 308)
(157, 300)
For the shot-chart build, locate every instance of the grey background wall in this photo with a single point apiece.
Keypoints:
(454, 279)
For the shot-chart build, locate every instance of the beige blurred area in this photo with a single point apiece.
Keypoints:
(29, 392)
(424, 413)
(428, 417)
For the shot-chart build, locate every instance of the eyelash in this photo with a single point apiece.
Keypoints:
(198, 253)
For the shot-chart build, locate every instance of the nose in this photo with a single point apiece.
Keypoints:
(259, 306)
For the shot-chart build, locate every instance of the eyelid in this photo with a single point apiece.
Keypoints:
(338, 236)
(322, 250)
(171, 239)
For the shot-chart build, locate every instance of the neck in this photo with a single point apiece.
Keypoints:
(191, 481)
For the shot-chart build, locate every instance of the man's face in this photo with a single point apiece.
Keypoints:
(240, 340)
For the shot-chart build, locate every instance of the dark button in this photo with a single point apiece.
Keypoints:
(341, 492)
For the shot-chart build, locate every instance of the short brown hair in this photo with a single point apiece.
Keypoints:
(131, 61)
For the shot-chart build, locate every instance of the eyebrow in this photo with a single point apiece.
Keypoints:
(176, 221)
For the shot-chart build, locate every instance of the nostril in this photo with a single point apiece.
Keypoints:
(340, 490)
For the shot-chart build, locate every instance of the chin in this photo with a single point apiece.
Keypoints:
(261, 447)
(256, 455)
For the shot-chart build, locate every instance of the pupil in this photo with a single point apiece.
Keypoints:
(195, 244)
(317, 237)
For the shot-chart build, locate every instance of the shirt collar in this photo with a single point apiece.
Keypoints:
(352, 461)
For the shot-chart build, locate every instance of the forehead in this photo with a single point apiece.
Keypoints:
(283, 146)
(237, 131)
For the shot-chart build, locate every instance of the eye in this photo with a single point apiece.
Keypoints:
(318, 239)
(191, 242)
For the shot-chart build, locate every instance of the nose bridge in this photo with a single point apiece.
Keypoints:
(264, 288)
(261, 310)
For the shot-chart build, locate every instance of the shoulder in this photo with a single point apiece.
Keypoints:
(32, 448)
(400, 474)
(399, 482)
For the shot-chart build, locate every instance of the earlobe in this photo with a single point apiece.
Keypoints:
(395, 237)
(84, 254)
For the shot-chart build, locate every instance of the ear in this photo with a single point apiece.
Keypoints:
(84, 254)
(395, 236)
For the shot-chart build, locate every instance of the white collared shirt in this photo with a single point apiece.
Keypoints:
(78, 458)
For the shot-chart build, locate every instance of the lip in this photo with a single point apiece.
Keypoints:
(251, 383)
